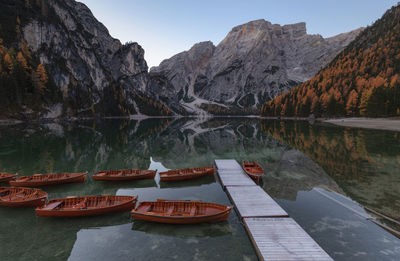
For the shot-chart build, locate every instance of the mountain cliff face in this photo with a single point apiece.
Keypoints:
(363, 80)
(254, 63)
(57, 60)
(95, 73)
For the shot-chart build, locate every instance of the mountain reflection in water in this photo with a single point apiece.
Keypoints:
(364, 163)
(296, 156)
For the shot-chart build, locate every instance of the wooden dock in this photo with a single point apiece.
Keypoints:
(253, 201)
(274, 234)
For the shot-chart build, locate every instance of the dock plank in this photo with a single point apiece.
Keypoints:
(231, 174)
(227, 164)
(283, 239)
(253, 201)
(235, 178)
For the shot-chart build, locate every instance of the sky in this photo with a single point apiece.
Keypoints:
(167, 27)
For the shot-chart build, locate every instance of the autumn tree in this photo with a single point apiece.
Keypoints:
(352, 102)
(8, 62)
(41, 78)
(22, 61)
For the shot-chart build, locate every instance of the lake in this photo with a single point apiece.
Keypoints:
(322, 175)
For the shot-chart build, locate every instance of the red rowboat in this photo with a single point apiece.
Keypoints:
(181, 211)
(6, 177)
(254, 170)
(39, 180)
(184, 174)
(22, 197)
(121, 175)
(86, 206)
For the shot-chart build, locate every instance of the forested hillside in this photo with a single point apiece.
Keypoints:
(57, 60)
(363, 80)
(25, 85)
(24, 81)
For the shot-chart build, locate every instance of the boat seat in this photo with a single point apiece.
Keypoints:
(52, 205)
(149, 208)
(26, 196)
(18, 195)
(170, 210)
(193, 210)
(3, 192)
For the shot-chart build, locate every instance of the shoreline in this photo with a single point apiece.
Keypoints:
(390, 124)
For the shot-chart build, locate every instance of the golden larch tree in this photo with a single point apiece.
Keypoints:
(21, 59)
(351, 106)
(41, 78)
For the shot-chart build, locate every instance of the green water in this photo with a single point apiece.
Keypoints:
(303, 163)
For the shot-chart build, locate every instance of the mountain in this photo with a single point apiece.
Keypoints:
(363, 80)
(57, 60)
(86, 71)
(254, 63)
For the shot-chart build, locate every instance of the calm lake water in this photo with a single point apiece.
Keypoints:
(322, 175)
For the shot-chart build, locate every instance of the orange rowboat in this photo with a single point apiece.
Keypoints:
(122, 175)
(86, 206)
(253, 169)
(185, 174)
(6, 177)
(181, 212)
(22, 197)
(39, 180)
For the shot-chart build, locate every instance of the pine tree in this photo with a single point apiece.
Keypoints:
(41, 78)
(21, 59)
(8, 62)
(365, 97)
(351, 106)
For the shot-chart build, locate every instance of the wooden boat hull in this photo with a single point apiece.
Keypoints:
(253, 170)
(186, 174)
(54, 209)
(147, 174)
(38, 197)
(256, 178)
(6, 177)
(42, 181)
(181, 218)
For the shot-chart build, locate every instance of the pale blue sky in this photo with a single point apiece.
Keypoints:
(166, 27)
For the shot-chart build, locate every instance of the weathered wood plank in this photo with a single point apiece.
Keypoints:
(227, 164)
(235, 178)
(231, 174)
(253, 201)
(283, 239)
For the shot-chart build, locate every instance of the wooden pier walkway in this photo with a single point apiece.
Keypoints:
(274, 234)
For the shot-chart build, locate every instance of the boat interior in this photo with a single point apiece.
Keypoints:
(79, 203)
(179, 208)
(18, 194)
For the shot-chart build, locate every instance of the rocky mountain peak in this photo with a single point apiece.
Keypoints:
(251, 27)
(262, 26)
(295, 30)
(255, 62)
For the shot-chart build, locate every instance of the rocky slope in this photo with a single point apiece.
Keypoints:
(95, 72)
(62, 62)
(363, 80)
(254, 63)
